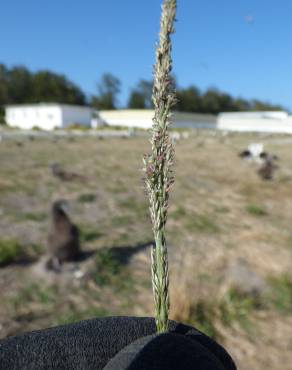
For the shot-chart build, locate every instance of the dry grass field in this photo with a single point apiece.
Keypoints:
(229, 237)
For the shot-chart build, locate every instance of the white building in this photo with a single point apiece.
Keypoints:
(142, 118)
(271, 122)
(47, 116)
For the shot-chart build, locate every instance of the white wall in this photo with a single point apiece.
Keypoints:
(76, 115)
(255, 115)
(50, 116)
(270, 122)
(46, 116)
(127, 117)
(29, 116)
(143, 119)
(194, 120)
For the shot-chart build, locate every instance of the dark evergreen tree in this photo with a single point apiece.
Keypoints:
(108, 89)
(136, 100)
(141, 96)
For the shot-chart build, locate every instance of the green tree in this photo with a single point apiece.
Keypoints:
(108, 89)
(257, 105)
(226, 102)
(4, 94)
(51, 87)
(136, 100)
(145, 88)
(241, 104)
(141, 96)
(188, 100)
(4, 83)
(214, 101)
(20, 85)
(210, 101)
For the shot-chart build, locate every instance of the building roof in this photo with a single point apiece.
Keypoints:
(43, 104)
(255, 115)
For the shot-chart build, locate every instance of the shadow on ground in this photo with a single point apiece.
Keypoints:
(124, 254)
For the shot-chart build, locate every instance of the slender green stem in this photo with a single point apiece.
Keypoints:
(158, 165)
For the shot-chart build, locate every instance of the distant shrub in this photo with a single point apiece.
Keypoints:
(256, 210)
(119, 221)
(34, 216)
(280, 294)
(107, 127)
(208, 315)
(10, 251)
(34, 292)
(107, 267)
(77, 126)
(110, 271)
(237, 307)
(203, 316)
(36, 128)
(202, 223)
(86, 198)
(88, 234)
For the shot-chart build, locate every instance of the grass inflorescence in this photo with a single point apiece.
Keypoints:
(158, 165)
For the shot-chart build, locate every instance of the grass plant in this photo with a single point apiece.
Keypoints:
(256, 210)
(107, 267)
(86, 198)
(158, 164)
(280, 294)
(89, 234)
(10, 251)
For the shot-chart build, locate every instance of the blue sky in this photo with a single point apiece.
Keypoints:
(242, 47)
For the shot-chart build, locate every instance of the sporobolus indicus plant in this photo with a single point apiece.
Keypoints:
(158, 164)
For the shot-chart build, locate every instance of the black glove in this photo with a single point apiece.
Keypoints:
(113, 343)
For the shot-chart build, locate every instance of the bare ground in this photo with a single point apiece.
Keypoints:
(221, 211)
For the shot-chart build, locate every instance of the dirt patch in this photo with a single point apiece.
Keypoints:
(221, 211)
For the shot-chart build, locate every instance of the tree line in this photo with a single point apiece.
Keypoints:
(18, 85)
(189, 99)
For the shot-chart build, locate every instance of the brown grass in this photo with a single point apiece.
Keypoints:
(209, 227)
